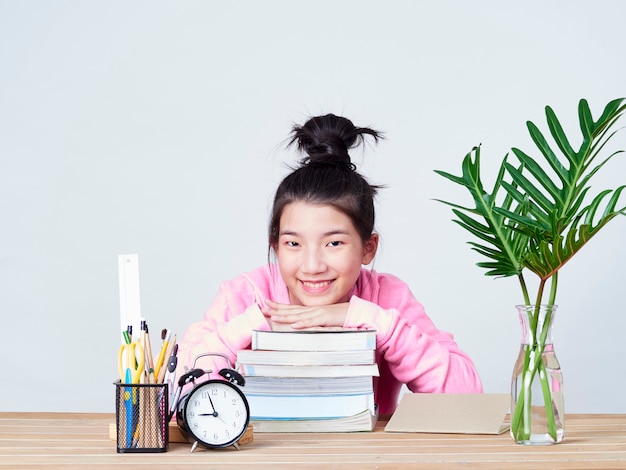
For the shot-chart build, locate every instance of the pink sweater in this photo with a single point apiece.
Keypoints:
(409, 348)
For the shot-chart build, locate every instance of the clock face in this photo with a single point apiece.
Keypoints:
(216, 413)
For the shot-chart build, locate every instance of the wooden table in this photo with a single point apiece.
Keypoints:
(77, 440)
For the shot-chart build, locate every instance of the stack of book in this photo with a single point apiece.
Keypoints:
(310, 381)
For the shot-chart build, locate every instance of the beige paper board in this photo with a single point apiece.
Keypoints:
(476, 413)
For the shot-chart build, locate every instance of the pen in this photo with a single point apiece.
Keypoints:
(149, 358)
(142, 341)
(170, 375)
(166, 358)
(128, 402)
(186, 378)
(165, 334)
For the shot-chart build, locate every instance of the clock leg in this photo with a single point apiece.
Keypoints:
(193, 446)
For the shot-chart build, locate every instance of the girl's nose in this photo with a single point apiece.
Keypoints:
(313, 262)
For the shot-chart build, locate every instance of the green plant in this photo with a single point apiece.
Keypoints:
(537, 217)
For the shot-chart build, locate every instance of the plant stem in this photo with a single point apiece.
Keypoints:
(553, 285)
(535, 316)
(522, 282)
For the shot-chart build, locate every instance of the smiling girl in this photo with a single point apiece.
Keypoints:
(322, 235)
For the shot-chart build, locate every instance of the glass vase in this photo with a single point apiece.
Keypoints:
(537, 416)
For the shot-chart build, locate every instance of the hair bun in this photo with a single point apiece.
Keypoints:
(327, 139)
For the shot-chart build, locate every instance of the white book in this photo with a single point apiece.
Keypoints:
(308, 406)
(306, 358)
(370, 370)
(308, 385)
(314, 340)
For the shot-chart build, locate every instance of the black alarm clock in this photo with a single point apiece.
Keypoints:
(215, 413)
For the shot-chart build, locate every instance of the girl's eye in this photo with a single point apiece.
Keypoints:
(335, 243)
(291, 243)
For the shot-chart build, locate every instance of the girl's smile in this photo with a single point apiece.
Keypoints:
(315, 287)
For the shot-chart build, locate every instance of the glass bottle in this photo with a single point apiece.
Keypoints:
(537, 416)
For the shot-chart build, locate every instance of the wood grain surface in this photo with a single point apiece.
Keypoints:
(81, 440)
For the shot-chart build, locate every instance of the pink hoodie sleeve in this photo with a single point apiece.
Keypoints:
(225, 328)
(409, 345)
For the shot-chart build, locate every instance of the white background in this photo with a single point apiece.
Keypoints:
(158, 128)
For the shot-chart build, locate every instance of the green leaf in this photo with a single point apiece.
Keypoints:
(544, 217)
(560, 138)
(452, 178)
(491, 226)
(610, 207)
(552, 249)
(532, 191)
(540, 175)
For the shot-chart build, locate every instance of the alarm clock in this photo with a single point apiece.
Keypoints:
(215, 413)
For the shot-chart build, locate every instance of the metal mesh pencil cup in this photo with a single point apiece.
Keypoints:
(141, 417)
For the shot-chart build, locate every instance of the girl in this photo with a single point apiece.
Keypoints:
(322, 234)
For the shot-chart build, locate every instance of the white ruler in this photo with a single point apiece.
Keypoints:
(130, 305)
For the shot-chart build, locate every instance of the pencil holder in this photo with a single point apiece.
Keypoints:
(141, 417)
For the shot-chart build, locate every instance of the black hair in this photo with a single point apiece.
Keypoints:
(326, 174)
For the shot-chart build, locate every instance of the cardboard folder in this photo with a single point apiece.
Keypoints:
(477, 413)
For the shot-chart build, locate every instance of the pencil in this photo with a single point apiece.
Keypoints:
(159, 363)
(166, 359)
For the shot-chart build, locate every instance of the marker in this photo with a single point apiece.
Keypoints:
(126, 336)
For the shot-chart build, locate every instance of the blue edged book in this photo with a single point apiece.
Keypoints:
(308, 406)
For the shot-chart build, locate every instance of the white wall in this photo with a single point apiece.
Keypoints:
(157, 128)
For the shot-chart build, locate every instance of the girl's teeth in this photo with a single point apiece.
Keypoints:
(316, 285)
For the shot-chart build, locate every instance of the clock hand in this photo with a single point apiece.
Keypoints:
(212, 405)
(214, 413)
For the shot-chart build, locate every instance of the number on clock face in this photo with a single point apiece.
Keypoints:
(216, 413)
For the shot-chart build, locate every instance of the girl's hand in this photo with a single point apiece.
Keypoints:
(298, 317)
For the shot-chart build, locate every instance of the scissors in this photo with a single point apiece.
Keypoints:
(131, 360)
(130, 365)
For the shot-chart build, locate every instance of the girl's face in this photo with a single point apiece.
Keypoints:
(320, 253)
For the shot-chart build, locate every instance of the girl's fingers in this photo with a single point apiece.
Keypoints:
(283, 307)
